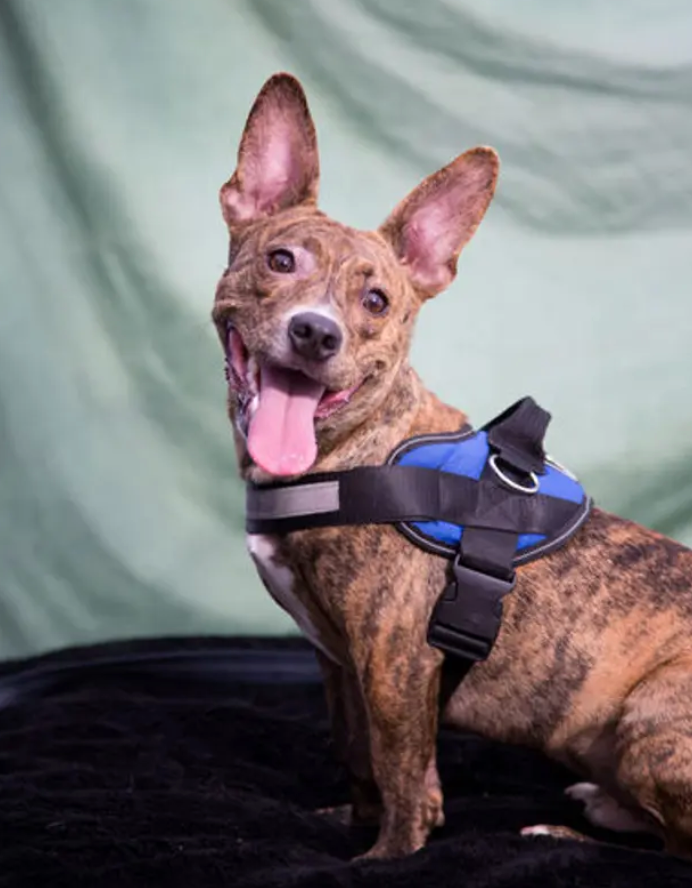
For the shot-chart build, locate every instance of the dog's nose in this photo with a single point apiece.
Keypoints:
(314, 336)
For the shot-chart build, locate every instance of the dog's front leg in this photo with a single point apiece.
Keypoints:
(400, 686)
(351, 741)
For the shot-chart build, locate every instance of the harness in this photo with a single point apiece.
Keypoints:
(487, 500)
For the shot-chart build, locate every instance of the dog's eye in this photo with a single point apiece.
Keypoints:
(281, 261)
(375, 302)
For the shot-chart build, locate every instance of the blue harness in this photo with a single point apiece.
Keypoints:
(487, 500)
(468, 454)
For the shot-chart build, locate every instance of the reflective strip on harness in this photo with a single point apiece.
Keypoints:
(316, 498)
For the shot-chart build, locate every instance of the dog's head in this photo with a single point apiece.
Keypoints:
(315, 317)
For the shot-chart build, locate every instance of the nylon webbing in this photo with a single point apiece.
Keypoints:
(396, 494)
(517, 435)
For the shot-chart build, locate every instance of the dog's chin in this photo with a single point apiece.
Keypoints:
(281, 407)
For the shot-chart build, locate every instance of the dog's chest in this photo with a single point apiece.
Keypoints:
(280, 582)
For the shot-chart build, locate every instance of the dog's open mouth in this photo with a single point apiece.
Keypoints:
(278, 409)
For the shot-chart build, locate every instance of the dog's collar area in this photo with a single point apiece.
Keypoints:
(489, 500)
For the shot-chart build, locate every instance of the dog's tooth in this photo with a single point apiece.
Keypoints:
(252, 374)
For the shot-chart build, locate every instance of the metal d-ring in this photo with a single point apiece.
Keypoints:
(509, 481)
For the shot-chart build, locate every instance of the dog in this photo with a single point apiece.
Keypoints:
(593, 661)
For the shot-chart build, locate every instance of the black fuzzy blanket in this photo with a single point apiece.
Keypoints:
(199, 763)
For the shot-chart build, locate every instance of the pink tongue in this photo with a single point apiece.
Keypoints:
(281, 437)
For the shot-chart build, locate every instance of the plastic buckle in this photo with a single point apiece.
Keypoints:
(467, 617)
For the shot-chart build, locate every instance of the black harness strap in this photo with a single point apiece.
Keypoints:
(467, 618)
(392, 494)
(516, 435)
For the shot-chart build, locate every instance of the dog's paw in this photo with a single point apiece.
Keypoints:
(603, 810)
(433, 815)
(583, 792)
(385, 849)
(554, 832)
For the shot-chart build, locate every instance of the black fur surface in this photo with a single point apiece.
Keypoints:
(177, 772)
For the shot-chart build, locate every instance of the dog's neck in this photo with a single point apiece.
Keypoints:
(409, 409)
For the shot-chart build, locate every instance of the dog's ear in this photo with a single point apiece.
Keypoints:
(278, 165)
(429, 228)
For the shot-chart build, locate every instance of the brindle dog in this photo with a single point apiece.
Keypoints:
(593, 663)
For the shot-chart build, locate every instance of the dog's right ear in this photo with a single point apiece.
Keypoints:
(278, 164)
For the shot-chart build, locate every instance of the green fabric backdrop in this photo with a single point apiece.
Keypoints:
(120, 513)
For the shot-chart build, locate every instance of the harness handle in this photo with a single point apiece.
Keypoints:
(517, 434)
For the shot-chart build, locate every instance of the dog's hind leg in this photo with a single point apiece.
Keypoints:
(604, 811)
(600, 809)
(655, 751)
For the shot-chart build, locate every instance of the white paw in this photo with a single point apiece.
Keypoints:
(536, 831)
(603, 810)
(583, 792)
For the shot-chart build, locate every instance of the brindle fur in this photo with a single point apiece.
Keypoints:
(593, 663)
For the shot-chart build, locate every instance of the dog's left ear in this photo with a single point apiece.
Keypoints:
(429, 228)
